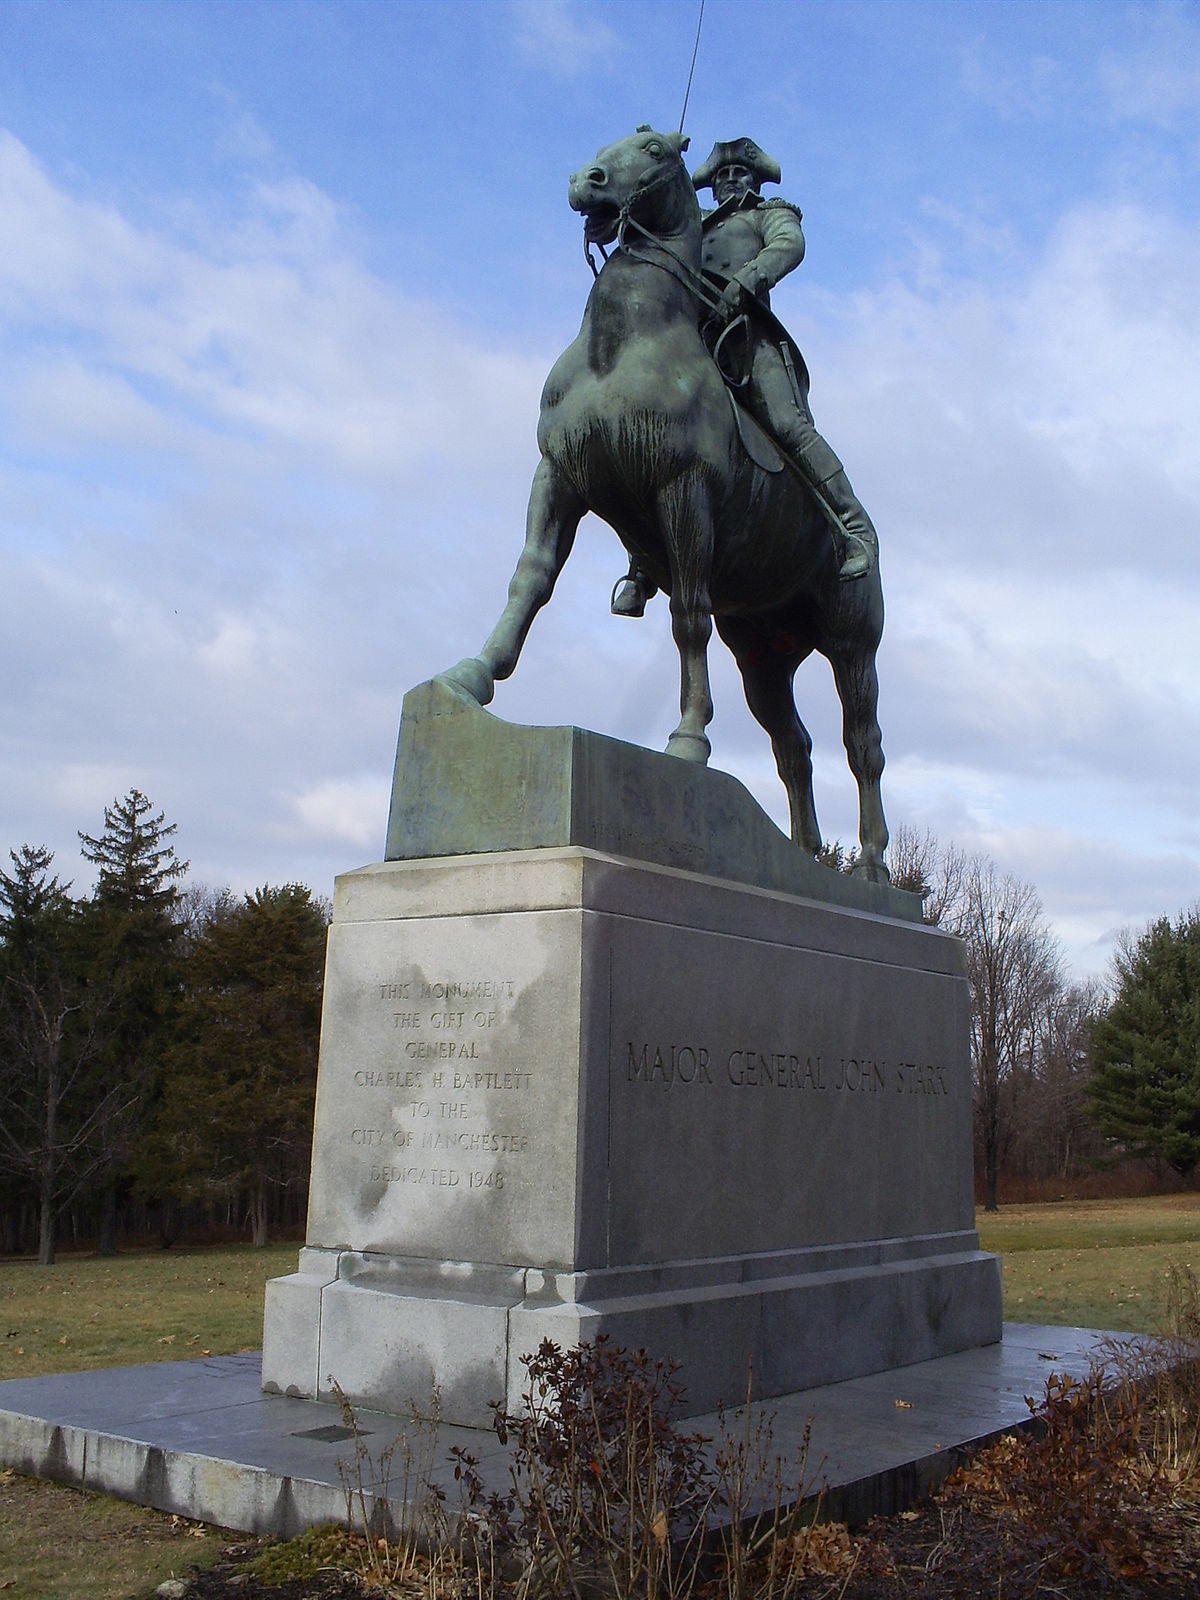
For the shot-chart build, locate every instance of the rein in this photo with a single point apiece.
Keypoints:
(676, 266)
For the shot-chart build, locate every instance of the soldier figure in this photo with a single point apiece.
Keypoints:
(749, 245)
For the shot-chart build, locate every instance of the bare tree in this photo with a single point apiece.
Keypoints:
(920, 863)
(1014, 970)
(1063, 1135)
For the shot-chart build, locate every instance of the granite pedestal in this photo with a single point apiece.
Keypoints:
(566, 1092)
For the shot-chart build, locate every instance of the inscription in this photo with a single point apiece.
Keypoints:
(436, 1177)
(366, 1079)
(684, 1063)
(668, 1065)
(441, 1050)
(444, 1090)
(516, 1144)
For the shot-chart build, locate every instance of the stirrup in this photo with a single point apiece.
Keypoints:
(858, 559)
(635, 606)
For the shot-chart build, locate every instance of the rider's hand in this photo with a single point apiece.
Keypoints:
(731, 299)
(745, 285)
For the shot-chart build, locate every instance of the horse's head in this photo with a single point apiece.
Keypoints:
(644, 172)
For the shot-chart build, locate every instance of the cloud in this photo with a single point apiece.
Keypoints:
(239, 133)
(559, 36)
(248, 489)
(268, 331)
(1155, 78)
(348, 810)
(1034, 91)
(252, 491)
(1027, 436)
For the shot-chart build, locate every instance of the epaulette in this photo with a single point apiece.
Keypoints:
(776, 201)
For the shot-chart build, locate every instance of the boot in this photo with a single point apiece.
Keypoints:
(859, 541)
(631, 593)
(856, 540)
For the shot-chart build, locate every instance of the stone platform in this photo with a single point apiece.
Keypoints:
(199, 1438)
(563, 1093)
(603, 1052)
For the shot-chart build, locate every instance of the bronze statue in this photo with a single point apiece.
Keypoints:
(749, 245)
(638, 425)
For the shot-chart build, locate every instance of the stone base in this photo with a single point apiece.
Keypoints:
(564, 1094)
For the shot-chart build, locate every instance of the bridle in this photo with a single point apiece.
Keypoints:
(675, 265)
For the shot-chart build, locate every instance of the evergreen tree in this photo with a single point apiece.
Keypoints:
(132, 933)
(56, 1125)
(235, 1115)
(138, 868)
(1145, 1049)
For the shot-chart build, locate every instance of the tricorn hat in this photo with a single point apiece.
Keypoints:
(741, 153)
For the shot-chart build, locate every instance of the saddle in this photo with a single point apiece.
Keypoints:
(760, 322)
(756, 441)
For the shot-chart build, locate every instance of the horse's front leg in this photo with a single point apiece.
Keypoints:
(555, 510)
(685, 512)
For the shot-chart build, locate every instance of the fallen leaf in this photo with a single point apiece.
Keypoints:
(903, 1405)
(64, 1339)
(167, 1338)
(659, 1528)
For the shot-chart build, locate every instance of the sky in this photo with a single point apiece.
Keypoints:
(280, 282)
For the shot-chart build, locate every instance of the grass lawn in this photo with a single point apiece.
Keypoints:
(1092, 1263)
(61, 1544)
(139, 1306)
(87, 1312)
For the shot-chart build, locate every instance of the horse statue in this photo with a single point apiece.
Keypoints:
(637, 425)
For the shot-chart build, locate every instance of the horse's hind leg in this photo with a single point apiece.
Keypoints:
(555, 510)
(767, 678)
(858, 689)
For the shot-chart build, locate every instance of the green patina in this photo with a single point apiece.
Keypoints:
(467, 783)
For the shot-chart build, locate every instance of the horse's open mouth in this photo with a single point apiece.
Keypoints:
(600, 223)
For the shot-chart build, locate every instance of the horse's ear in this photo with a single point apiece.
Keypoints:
(679, 141)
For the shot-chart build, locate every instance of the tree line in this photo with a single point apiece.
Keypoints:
(1068, 1077)
(158, 1039)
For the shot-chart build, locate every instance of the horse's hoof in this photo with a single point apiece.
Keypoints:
(871, 868)
(689, 747)
(473, 677)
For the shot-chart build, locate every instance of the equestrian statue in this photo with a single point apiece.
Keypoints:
(680, 416)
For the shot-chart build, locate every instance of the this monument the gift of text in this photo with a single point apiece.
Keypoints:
(602, 1050)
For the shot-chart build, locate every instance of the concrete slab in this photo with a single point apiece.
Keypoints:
(200, 1438)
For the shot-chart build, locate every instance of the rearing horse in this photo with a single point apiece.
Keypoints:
(637, 426)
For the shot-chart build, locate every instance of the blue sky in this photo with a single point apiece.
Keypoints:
(279, 284)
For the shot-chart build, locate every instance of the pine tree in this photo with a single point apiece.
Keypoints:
(133, 935)
(1145, 1049)
(54, 1131)
(235, 1115)
(138, 867)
